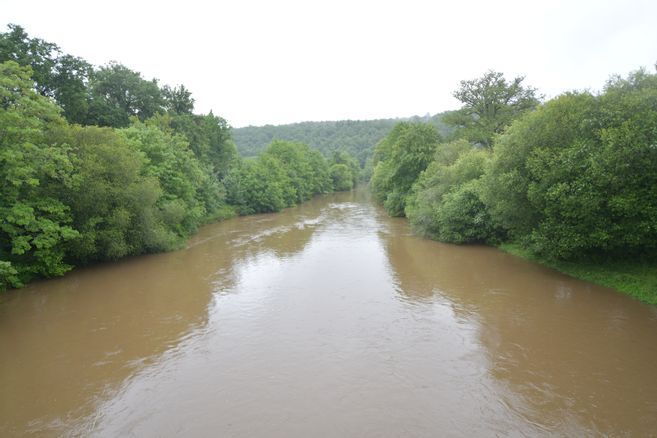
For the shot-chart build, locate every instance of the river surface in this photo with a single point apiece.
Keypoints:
(326, 320)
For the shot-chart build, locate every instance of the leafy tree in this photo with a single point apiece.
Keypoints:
(321, 176)
(118, 93)
(344, 157)
(555, 124)
(258, 186)
(295, 158)
(432, 185)
(445, 203)
(113, 203)
(490, 104)
(189, 191)
(400, 158)
(577, 177)
(178, 99)
(342, 177)
(35, 173)
(57, 75)
(209, 137)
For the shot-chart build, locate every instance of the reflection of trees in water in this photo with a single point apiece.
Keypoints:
(573, 354)
(80, 336)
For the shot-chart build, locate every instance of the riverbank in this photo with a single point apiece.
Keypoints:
(636, 278)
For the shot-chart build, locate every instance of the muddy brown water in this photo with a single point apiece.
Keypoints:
(326, 320)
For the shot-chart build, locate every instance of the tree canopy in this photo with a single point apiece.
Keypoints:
(490, 104)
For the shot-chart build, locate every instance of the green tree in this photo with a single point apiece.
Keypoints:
(295, 159)
(344, 157)
(445, 203)
(400, 158)
(57, 75)
(118, 93)
(189, 191)
(577, 178)
(113, 203)
(178, 99)
(342, 177)
(490, 104)
(209, 137)
(35, 173)
(258, 186)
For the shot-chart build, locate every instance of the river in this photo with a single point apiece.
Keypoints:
(326, 320)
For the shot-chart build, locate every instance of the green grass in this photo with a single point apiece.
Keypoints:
(636, 278)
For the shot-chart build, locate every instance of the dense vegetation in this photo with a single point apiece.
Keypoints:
(99, 163)
(357, 137)
(571, 182)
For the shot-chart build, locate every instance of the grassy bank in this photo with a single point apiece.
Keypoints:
(637, 278)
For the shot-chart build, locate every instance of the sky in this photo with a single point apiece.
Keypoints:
(283, 61)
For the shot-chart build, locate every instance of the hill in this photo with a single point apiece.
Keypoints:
(357, 137)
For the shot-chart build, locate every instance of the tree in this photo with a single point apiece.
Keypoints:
(295, 159)
(118, 93)
(445, 203)
(178, 99)
(189, 190)
(113, 203)
(209, 137)
(57, 75)
(490, 104)
(400, 158)
(258, 186)
(342, 177)
(345, 158)
(35, 174)
(576, 178)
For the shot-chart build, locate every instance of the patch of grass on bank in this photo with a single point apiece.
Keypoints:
(637, 278)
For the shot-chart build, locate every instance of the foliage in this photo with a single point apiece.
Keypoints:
(113, 203)
(105, 96)
(178, 99)
(445, 202)
(345, 171)
(356, 137)
(399, 159)
(578, 175)
(118, 93)
(295, 159)
(490, 104)
(342, 177)
(34, 173)
(57, 75)
(189, 190)
(258, 186)
(285, 174)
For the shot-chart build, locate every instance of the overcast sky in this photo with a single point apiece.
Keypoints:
(282, 61)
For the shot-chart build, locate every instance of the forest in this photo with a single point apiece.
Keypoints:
(570, 182)
(357, 137)
(98, 163)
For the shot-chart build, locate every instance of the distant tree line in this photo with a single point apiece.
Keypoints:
(98, 164)
(572, 178)
(357, 137)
